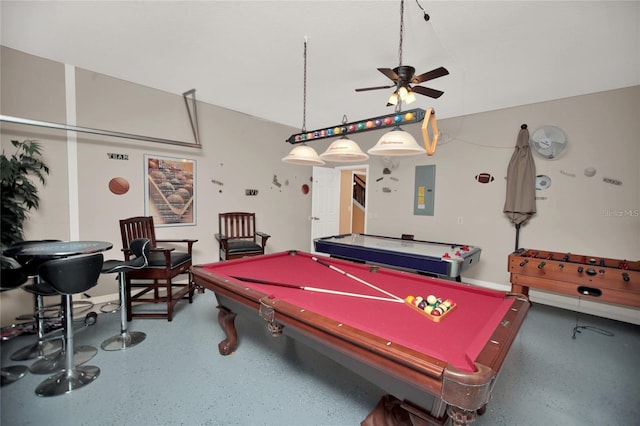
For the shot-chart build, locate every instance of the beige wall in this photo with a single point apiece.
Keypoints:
(243, 152)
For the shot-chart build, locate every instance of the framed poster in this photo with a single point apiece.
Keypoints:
(170, 190)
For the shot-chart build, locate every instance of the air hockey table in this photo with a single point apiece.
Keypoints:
(442, 260)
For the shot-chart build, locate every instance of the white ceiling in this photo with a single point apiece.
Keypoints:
(248, 55)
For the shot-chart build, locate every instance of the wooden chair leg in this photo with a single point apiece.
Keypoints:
(169, 300)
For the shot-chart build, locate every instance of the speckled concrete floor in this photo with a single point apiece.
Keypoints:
(177, 377)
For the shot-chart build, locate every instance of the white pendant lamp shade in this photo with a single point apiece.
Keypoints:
(303, 155)
(397, 143)
(344, 150)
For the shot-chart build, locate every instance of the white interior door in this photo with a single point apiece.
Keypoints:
(325, 203)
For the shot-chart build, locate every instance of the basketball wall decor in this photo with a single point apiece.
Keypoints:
(119, 185)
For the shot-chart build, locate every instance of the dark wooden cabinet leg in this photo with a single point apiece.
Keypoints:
(226, 320)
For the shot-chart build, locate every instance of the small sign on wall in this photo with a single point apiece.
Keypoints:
(113, 156)
(424, 192)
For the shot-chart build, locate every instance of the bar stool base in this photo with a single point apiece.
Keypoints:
(81, 354)
(13, 373)
(123, 341)
(37, 350)
(63, 382)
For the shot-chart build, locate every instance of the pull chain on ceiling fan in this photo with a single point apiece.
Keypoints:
(404, 76)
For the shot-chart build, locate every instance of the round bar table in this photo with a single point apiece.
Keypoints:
(57, 249)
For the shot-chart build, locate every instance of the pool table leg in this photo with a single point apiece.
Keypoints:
(460, 417)
(226, 319)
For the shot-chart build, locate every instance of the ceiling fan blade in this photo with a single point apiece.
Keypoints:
(364, 89)
(426, 91)
(391, 74)
(438, 72)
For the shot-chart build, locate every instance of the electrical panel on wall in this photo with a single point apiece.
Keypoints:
(425, 186)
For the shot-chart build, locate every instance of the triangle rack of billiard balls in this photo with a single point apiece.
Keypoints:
(431, 306)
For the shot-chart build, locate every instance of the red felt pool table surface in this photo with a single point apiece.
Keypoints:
(457, 339)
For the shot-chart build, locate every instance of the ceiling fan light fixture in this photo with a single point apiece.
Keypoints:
(397, 143)
(402, 93)
(303, 155)
(393, 99)
(411, 97)
(344, 150)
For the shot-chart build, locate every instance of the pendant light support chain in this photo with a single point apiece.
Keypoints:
(401, 33)
(304, 90)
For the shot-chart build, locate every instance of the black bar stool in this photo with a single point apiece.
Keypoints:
(11, 279)
(70, 275)
(41, 347)
(126, 339)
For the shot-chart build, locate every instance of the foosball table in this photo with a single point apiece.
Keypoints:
(595, 278)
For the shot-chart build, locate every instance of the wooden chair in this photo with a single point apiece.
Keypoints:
(238, 237)
(164, 265)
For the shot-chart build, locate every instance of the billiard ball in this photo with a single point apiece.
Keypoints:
(431, 299)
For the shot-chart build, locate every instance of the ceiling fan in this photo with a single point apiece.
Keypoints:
(404, 76)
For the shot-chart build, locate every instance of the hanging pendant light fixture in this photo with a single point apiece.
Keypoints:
(344, 150)
(397, 142)
(303, 154)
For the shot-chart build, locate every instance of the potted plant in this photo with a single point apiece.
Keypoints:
(19, 193)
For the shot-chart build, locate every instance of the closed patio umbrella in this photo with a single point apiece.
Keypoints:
(520, 201)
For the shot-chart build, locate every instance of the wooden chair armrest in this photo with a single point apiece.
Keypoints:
(162, 249)
(264, 237)
(223, 240)
(183, 241)
(220, 237)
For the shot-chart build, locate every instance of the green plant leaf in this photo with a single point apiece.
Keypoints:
(19, 194)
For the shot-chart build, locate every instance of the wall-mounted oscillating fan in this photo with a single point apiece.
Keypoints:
(548, 141)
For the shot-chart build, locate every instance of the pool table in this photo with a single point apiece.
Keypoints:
(356, 314)
(442, 260)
